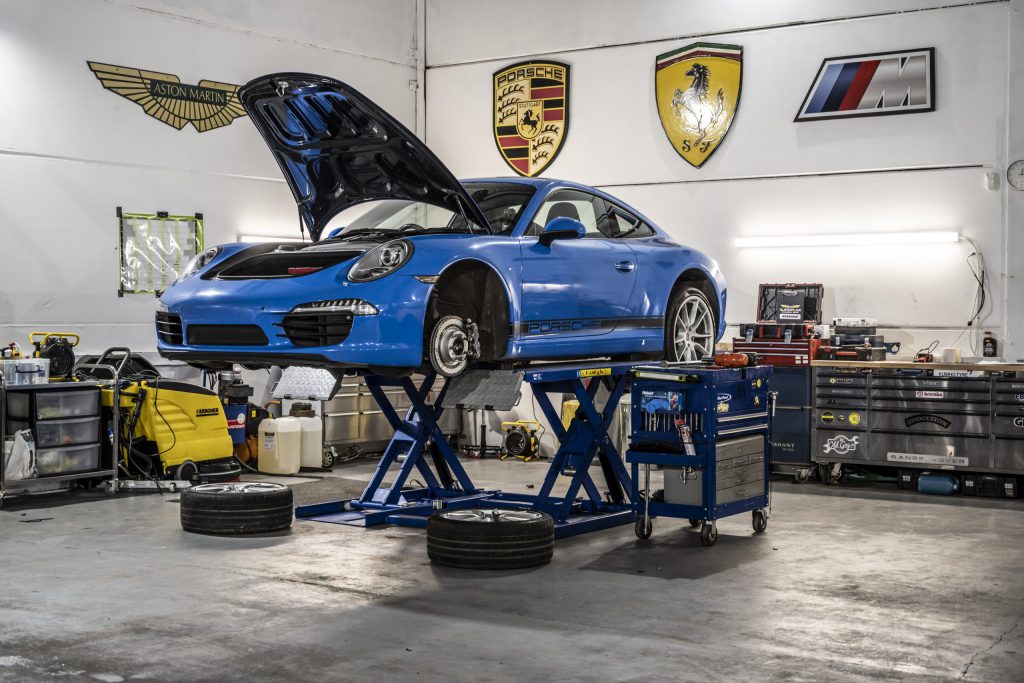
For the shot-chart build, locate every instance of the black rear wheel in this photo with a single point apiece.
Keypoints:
(233, 509)
(490, 539)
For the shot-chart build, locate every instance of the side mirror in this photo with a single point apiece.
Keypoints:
(335, 232)
(562, 228)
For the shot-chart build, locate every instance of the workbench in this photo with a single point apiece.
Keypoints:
(951, 416)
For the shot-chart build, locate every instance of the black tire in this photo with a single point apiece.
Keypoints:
(708, 330)
(490, 539)
(643, 528)
(759, 521)
(236, 509)
(694, 522)
(708, 534)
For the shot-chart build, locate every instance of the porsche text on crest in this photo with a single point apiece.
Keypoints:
(531, 114)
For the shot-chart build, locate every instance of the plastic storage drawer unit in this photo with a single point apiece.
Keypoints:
(56, 404)
(56, 461)
(81, 430)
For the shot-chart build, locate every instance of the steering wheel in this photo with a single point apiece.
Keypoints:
(411, 227)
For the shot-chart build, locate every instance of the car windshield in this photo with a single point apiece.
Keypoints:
(501, 203)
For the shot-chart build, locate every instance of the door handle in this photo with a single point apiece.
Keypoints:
(625, 266)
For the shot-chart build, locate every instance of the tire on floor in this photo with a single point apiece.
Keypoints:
(490, 539)
(238, 508)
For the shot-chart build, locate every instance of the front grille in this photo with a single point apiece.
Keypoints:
(168, 328)
(316, 329)
(226, 335)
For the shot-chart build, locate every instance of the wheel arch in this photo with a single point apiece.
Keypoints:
(695, 276)
(475, 289)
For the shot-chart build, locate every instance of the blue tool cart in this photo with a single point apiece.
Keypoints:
(708, 429)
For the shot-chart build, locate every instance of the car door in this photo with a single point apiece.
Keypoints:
(578, 287)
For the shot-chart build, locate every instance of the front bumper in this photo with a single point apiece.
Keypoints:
(393, 337)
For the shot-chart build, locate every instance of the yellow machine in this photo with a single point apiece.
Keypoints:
(168, 429)
(521, 441)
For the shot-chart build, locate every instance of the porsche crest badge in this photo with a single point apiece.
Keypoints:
(531, 114)
(206, 106)
(698, 91)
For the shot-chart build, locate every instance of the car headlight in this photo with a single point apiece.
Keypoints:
(198, 262)
(380, 261)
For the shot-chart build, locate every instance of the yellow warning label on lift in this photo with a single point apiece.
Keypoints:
(595, 372)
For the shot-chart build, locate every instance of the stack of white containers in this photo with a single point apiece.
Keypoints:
(289, 443)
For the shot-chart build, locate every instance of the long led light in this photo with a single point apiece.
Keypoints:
(852, 239)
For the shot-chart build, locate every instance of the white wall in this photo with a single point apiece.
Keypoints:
(70, 151)
(771, 175)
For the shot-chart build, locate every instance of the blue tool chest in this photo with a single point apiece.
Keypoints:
(708, 429)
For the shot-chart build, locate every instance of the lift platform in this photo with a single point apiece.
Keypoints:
(418, 445)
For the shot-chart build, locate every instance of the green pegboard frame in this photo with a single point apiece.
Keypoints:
(154, 248)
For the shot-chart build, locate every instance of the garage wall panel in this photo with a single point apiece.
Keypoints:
(62, 109)
(615, 135)
(470, 30)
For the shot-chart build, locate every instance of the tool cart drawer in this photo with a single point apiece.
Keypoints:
(55, 461)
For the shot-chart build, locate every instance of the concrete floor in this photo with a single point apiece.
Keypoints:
(845, 585)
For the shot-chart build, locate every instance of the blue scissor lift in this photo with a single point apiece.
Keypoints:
(584, 506)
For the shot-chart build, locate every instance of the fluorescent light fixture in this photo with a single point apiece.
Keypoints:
(270, 238)
(851, 239)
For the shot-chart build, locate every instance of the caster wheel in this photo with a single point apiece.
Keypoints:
(760, 521)
(708, 534)
(694, 523)
(327, 461)
(187, 471)
(643, 528)
(801, 476)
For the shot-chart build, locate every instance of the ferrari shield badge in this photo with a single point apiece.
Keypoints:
(531, 114)
(698, 91)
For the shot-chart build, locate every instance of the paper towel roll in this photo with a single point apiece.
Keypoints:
(948, 354)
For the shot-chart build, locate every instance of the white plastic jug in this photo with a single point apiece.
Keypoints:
(312, 441)
(280, 445)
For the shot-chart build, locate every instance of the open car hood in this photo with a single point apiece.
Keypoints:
(337, 148)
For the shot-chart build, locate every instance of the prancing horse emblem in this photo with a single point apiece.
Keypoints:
(697, 90)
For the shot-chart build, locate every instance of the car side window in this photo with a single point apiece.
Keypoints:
(619, 224)
(585, 208)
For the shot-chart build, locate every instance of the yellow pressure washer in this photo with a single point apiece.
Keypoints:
(169, 429)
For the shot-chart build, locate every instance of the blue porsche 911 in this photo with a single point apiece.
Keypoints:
(410, 268)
